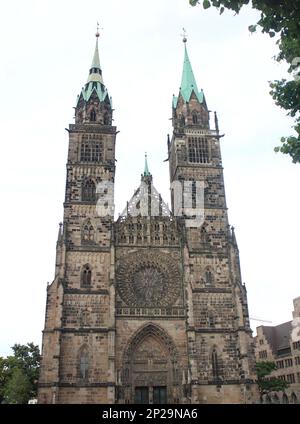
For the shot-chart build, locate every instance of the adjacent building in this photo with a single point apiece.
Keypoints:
(281, 344)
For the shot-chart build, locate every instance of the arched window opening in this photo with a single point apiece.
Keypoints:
(182, 121)
(89, 191)
(208, 278)
(106, 119)
(131, 239)
(88, 233)
(203, 235)
(215, 365)
(293, 398)
(268, 399)
(93, 115)
(86, 275)
(211, 320)
(83, 364)
(285, 399)
(195, 118)
(131, 227)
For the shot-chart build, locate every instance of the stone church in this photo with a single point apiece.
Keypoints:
(149, 308)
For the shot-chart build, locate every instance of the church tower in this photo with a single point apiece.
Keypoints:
(220, 345)
(149, 308)
(78, 339)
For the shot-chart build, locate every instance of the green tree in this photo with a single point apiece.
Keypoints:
(18, 387)
(25, 361)
(280, 18)
(28, 358)
(265, 382)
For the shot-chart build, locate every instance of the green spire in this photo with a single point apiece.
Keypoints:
(94, 82)
(95, 74)
(188, 81)
(96, 60)
(146, 169)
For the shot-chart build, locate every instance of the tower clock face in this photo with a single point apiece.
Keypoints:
(150, 281)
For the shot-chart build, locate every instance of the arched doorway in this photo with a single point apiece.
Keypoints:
(150, 368)
(293, 398)
(285, 399)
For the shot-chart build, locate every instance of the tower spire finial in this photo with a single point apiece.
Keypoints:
(96, 60)
(184, 34)
(146, 168)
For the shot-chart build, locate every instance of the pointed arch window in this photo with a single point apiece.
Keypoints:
(86, 277)
(106, 119)
(211, 320)
(208, 277)
(215, 365)
(89, 191)
(83, 364)
(88, 233)
(285, 399)
(93, 115)
(204, 239)
(195, 118)
(293, 398)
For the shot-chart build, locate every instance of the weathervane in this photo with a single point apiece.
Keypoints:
(184, 34)
(97, 33)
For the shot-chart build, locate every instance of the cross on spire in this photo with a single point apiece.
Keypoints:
(184, 34)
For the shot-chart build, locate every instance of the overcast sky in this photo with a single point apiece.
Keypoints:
(46, 50)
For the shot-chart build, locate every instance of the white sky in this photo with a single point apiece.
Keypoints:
(46, 50)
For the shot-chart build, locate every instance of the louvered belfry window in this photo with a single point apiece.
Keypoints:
(91, 150)
(198, 150)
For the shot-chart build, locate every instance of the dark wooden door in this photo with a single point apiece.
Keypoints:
(141, 395)
(159, 394)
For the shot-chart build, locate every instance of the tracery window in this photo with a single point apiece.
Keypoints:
(86, 275)
(198, 150)
(88, 233)
(88, 191)
(91, 151)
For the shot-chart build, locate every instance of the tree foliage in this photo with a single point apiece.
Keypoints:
(280, 18)
(20, 369)
(266, 383)
(18, 388)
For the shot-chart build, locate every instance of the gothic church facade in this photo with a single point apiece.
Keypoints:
(148, 308)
